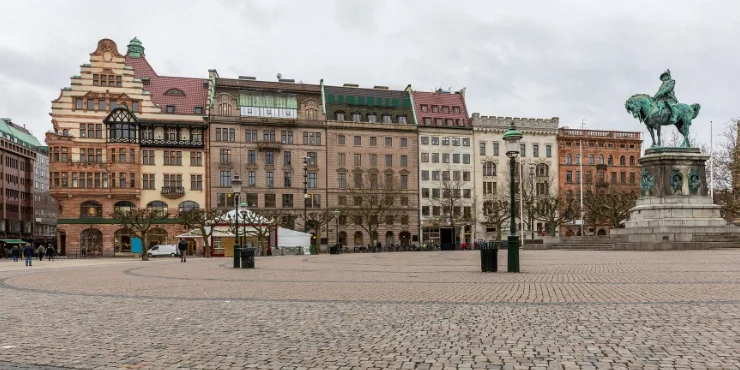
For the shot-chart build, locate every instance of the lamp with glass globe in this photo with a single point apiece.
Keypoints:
(512, 137)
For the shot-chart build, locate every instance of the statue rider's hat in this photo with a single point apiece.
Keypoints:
(666, 73)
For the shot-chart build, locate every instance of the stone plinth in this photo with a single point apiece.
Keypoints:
(674, 208)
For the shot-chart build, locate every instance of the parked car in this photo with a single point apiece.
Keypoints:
(164, 250)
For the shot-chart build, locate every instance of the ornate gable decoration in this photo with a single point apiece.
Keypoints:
(107, 49)
(107, 95)
(120, 115)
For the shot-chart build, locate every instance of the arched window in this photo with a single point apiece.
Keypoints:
(124, 206)
(489, 169)
(622, 161)
(187, 206)
(568, 159)
(542, 170)
(358, 239)
(91, 241)
(632, 160)
(159, 207)
(91, 208)
(578, 159)
(224, 109)
(569, 194)
(339, 115)
(174, 92)
(590, 159)
(610, 161)
(601, 159)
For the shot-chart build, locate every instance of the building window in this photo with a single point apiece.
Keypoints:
(224, 178)
(424, 157)
(632, 160)
(622, 161)
(610, 161)
(373, 141)
(482, 148)
(568, 159)
(196, 182)
(357, 140)
(356, 117)
(632, 177)
(198, 110)
(251, 179)
(489, 169)
(270, 179)
(404, 160)
(225, 156)
(578, 159)
(134, 106)
(372, 117)
(542, 170)
(404, 181)
(170, 108)
(388, 141)
(312, 180)
(402, 119)
(623, 177)
(495, 148)
(342, 180)
(569, 176)
(91, 209)
(590, 159)
(196, 158)
(435, 157)
(148, 181)
(535, 150)
(388, 160)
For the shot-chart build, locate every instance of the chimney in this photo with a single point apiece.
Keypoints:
(377, 87)
(351, 85)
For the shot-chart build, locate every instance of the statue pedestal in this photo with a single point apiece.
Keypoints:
(675, 210)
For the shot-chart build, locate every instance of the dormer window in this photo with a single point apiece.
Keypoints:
(170, 108)
(386, 118)
(340, 115)
(174, 92)
(456, 109)
(402, 119)
(435, 108)
(445, 109)
(145, 81)
(372, 117)
(438, 122)
(198, 110)
(356, 117)
(134, 106)
(424, 108)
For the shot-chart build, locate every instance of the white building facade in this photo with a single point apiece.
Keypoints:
(538, 158)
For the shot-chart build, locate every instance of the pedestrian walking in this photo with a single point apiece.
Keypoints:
(182, 246)
(28, 254)
(50, 252)
(41, 251)
(15, 252)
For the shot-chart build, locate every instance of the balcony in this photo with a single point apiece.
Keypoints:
(173, 192)
(166, 143)
(268, 145)
(601, 167)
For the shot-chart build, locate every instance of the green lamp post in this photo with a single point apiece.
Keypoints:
(236, 188)
(512, 137)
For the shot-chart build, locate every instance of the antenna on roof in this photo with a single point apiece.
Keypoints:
(279, 75)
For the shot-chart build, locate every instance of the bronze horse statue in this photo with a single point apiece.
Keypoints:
(648, 110)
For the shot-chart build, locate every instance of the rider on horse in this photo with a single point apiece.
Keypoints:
(665, 97)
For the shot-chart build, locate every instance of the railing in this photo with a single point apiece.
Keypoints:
(172, 143)
(262, 145)
(172, 190)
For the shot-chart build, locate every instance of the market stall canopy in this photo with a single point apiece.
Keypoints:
(13, 241)
(251, 216)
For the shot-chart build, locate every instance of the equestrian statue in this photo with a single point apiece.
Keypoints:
(663, 109)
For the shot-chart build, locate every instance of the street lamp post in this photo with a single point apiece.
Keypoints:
(236, 188)
(512, 138)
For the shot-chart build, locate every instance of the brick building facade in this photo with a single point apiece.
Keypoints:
(609, 157)
(372, 133)
(18, 152)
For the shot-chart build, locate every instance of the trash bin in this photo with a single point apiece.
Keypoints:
(489, 256)
(334, 249)
(247, 256)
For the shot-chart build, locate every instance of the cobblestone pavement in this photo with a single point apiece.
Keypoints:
(414, 310)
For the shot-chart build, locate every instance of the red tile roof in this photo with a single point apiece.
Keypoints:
(440, 99)
(196, 95)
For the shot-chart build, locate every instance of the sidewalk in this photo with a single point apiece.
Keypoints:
(7, 264)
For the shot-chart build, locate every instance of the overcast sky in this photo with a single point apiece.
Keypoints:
(569, 59)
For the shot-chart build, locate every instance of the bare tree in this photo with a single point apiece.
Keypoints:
(611, 202)
(138, 222)
(496, 208)
(316, 221)
(371, 202)
(203, 220)
(552, 208)
(726, 154)
(257, 223)
(454, 199)
(672, 138)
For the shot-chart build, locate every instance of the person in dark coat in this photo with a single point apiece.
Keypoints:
(50, 252)
(28, 254)
(182, 246)
(15, 252)
(41, 251)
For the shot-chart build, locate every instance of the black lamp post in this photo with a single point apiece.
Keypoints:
(236, 187)
(305, 194)
(512, 138)
(336, 219)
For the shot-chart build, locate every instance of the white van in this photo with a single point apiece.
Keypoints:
(164, 250)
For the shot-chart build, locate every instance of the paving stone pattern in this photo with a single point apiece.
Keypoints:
(415, 310)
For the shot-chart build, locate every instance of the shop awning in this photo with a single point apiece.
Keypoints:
(13, 241)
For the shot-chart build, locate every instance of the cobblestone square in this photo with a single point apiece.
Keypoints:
(413, 310)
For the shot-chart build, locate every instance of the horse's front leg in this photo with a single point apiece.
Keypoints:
(652, 135)
(658, 129)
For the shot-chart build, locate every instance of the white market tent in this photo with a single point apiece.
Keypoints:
(290, 238)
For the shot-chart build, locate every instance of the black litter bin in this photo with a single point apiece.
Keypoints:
(247, 256)
(489, 256)
(333, 249)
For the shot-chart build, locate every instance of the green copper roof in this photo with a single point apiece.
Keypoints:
(135, 49)
(9, 132)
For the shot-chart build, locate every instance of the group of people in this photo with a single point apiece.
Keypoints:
(28, 252)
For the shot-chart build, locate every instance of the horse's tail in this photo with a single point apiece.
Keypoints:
(696, 108)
